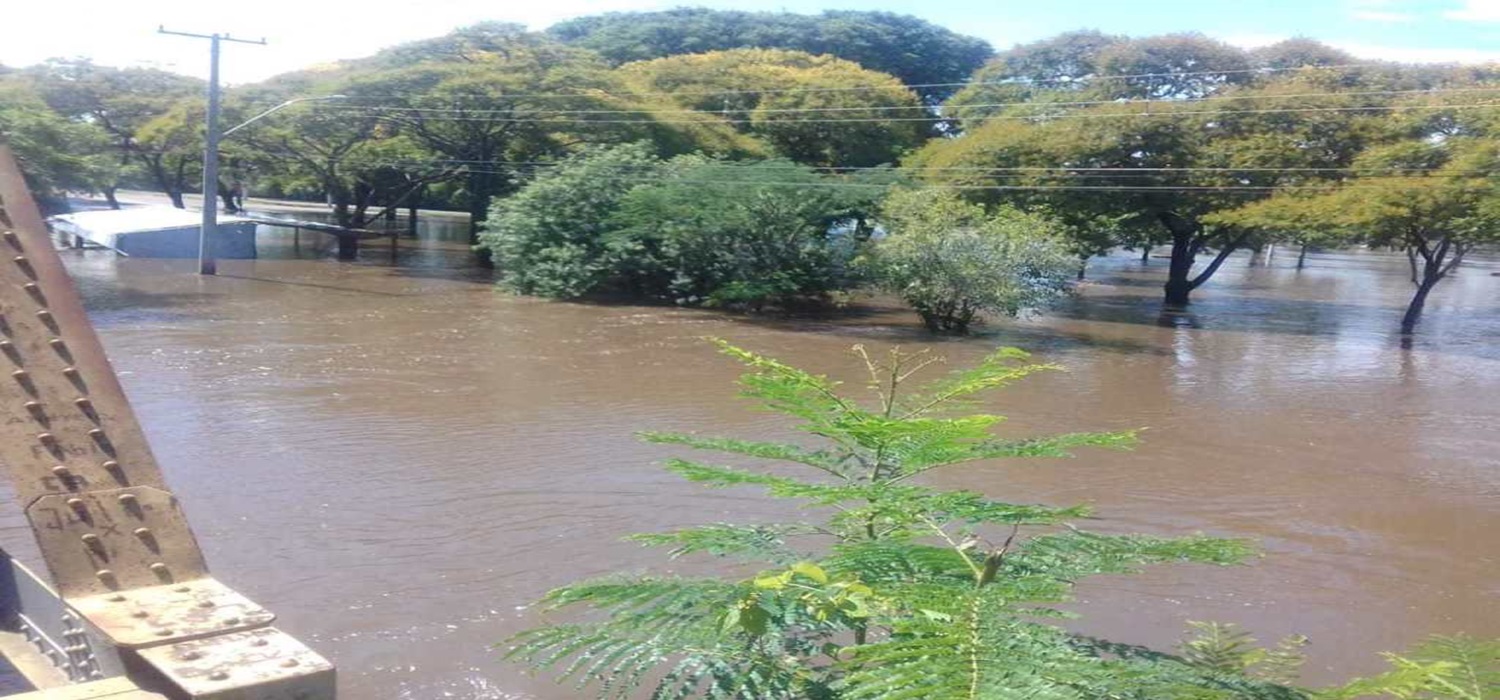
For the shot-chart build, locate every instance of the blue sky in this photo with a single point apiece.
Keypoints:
(307, 32)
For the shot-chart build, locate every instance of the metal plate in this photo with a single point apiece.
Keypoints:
(145, 617)
(265, 664)
(102, 541)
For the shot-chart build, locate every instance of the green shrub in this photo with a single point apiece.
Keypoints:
(951, 260)
(899, 590)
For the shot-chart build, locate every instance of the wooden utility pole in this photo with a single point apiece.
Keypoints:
(207, 265)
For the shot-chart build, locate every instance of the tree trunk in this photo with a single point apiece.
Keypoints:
(1179, 284)
(479, 203)
(1145, 254)
(109, 197)
(1302, 256)
(1418, 301)
(411, 220)
(176, 197)
(1083, 269)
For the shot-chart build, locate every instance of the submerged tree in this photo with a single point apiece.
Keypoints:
(1437, 199)
(902, 591)
(952, 261)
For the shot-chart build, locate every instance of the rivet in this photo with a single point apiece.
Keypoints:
(159, 568)
(46, 318)
(47, 438)
(127, 499)
(10, 237)
(70, 372)
(218, 675)
(205, 603)
(231, 621)
(117, 598)
(182, 589)
(260, 642)
(34, 291)
(78, 505)
(143, 532)
(97, 434)
(164, 633)
(104, 574)
(289, 663)
(90, 539)
(61, 472)
(140, 614)
(191, 655)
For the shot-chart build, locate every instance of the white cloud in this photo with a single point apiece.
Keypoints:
(1476, 11)
(1383, 16)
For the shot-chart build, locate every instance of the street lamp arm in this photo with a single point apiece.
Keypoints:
(280, 107)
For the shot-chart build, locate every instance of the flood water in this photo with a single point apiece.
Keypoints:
(396, 458)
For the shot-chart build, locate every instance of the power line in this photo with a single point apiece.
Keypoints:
(978, 83)
(710, 119)
(870, 108)
(1066, 170)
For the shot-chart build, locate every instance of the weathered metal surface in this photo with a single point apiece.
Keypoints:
(264, 664)
(157, 615)
(33, 609)
(125, 564)
(65, 426)
(119, 688)
(115, 539)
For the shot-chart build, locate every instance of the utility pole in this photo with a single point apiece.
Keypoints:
(207, 265)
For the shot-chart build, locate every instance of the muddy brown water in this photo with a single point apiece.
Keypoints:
(396, 458)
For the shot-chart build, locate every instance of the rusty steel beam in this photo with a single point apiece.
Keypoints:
(116, 543)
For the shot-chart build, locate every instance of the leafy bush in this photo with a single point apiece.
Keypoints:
(741, 234)
(901, 591)
(951, 260)
(691, 230)
(551, 238)
(1440, 668)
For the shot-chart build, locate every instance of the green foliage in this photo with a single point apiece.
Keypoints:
(551, 238)
(951, 260)
(738, 234)
(917, 52)
(1441, 668)
(692, 230)
(1226, 648)
(761, 91)
(901, 591)
(56, 155)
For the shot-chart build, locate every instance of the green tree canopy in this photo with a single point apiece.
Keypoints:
(952, 261)
(915, 51)
(798, 102)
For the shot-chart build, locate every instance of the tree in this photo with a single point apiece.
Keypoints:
(930, 58)
(169, 148)
(1444, 202)
(123, 102)
(745, 235)
(57, 155)
(901, 591)
(693, 231)
(552, 238)
(1160, 168)
(492, 99)
(800, 103)
(951, 260)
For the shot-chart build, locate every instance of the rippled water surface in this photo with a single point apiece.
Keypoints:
(395, 458)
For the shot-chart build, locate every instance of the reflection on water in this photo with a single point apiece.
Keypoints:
(396, 458)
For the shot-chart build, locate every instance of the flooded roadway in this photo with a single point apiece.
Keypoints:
(395, 459)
